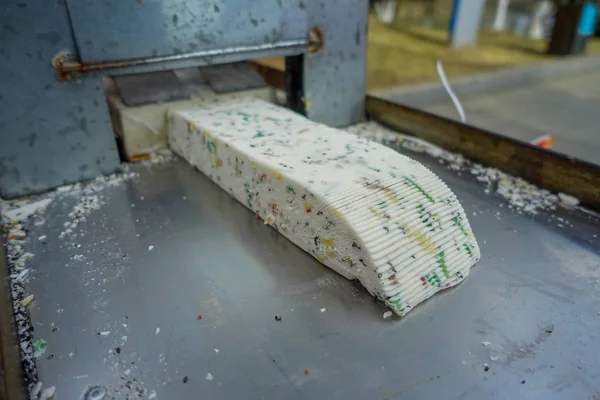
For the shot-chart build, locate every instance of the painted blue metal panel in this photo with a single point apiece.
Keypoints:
(110, 30)
(51, 133)
(335, 78)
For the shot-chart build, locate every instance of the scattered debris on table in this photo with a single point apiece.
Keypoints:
(387, 314)
(305, 372)
(323, 310)
(39, 347)
(25, 302)
(209, 377)
(278, 318)
(198, 317)
(48, 393)
(486, 367)
(486, 344)
(521, 195)
(185, 379)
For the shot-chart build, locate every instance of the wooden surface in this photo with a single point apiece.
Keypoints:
(11, 376)
(541, 167)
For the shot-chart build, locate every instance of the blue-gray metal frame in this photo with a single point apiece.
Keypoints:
(54, 133)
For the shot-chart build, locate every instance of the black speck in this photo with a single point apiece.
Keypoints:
(118, 350)
(278, 318)
(362, 262)
(54, 329)
(523, 382)
(216, 8)
(185, 378)
(51, 356)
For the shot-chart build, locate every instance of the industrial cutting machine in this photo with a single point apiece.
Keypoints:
(128, 274)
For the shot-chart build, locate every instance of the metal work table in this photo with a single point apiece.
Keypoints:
(535, 296)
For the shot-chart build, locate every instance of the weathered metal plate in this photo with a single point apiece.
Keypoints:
(111, 30)
(232, 77)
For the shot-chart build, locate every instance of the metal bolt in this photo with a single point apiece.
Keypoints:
(96, 393)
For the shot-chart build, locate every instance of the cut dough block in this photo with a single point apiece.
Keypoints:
(358, 207)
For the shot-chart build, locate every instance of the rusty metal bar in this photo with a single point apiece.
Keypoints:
(544, 168)
(67, 67)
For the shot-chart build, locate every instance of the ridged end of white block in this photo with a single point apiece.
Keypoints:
(360, 208)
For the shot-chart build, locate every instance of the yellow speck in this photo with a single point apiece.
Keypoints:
(306, 103)
(307, 206)
(254, 165)
(392, 198)
(321, 259)
(331, 254)
(337, 213)
(277, 176)
(219, 162)
(327, 242)
(206, 134)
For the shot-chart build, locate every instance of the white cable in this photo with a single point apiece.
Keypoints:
(455, 100)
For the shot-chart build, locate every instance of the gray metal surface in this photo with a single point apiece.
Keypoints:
(535, 296)
(157, 87)
(335, 77)
(51, 133)
(153, 87)
(144, 28)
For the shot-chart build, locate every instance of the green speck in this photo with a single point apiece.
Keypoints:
(259, 134)
(458, 223)
(442, 261)
(468, 248)
(412, 183)
(39, 347)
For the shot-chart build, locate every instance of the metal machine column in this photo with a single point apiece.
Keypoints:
(335, 77)
(51, 133)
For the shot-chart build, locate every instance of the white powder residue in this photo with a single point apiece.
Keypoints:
(209, 377)
(520, 194)
(15, 215)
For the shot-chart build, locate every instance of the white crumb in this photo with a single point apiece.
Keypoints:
(157, 331)
(387, 314)
(323, 310)
(150, 247)
(209, 377)
(486, 344)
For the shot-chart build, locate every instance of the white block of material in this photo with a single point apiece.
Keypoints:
(358, 207)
